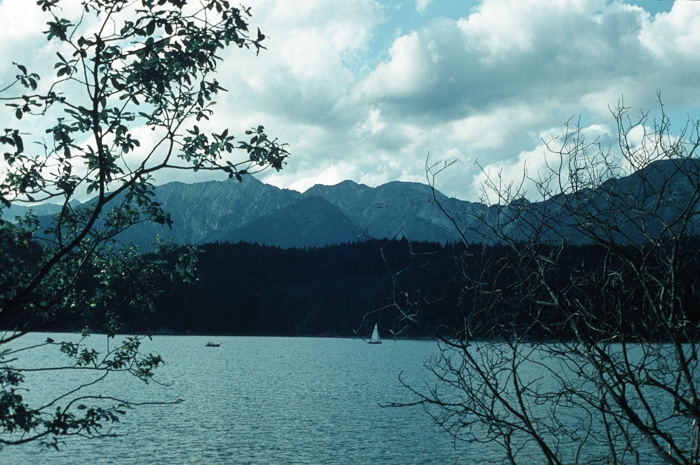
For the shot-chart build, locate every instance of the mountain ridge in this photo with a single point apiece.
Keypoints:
(252, 211)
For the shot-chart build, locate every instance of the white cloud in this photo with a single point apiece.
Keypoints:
(355, 100)
(422, 5)
(404, 76)
(540, 171)
(675, 34)
(18, 29)
(510, 51)
(486, 130)
(374, 124)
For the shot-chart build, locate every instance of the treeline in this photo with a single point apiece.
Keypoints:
(341, 290)
(409, 289)
(252, 289)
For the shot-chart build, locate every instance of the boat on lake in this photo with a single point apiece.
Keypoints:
(375, 336)
(211, 344)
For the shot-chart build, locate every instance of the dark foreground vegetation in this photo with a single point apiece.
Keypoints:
(250, 289)
(409, 289)
(73, 129)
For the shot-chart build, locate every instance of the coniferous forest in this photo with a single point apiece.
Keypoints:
(410, 289)
(341, 290)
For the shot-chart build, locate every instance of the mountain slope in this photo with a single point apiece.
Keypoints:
(229, 211)
(400, 209)
(309, 222)
(232, 211)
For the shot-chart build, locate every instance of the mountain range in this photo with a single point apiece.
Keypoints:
(251, 211)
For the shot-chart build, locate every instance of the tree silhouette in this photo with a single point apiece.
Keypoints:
(578, 337)
(121, 67)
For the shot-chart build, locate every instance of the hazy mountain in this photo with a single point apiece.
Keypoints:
(310, 221)
(38, 210)
(401, 209)
(232, 211)
(212, 211)
(631, 209)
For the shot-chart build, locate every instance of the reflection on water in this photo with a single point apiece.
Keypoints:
(264, 400)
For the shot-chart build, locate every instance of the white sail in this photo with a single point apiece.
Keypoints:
(375, 336)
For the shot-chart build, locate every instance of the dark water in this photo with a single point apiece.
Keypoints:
(264, 400)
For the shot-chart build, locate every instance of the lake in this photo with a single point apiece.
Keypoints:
(270, 400)
(263, 400)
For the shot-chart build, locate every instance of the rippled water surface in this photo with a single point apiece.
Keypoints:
(265, 400)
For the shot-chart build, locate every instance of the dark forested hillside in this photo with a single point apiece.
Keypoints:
(343, 290)
(335, 290)
(252, 289)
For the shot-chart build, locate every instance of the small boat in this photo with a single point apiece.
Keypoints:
(375, 336)
(211, 344)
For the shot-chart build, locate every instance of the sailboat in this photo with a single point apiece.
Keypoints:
(375, 336)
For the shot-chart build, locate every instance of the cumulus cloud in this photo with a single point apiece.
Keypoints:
(355, 99)
(532, 172)
(422, 5)
(19, 31)
(509, 51)
(496, 77)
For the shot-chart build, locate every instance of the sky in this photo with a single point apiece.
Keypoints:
(369, 90)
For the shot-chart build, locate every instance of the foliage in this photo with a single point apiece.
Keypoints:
(581, 353)
(125, 71)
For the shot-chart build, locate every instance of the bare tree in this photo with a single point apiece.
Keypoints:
(579, 312)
